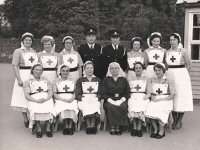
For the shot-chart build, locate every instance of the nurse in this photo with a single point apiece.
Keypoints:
(71, 58)
(179, 66)
(38, 92)
(23, 59)
(154, 54)
(48, 58)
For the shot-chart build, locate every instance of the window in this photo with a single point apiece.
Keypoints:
(192, 33)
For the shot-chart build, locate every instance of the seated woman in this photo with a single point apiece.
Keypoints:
(161, 101)
(38, 91)
(65, 104)
(88, 95)
(115, 92)
(139, 100)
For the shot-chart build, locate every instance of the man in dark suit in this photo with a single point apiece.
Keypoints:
(92, 51)
(114, 52)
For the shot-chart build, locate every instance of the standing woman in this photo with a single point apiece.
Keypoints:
(154, 54)
(135, 55)
(23, 59)
(161, 103)
(48, 58)
(65, 104)
(139, 100)
(38, 92)
(179, 66)
(88, 95)
(115, 92)
(71, 58)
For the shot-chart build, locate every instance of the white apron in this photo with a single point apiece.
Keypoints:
(160, 110)
(71, 60)
(18, 98)
(131, 63)
(89, 104)
(136, 103)
(183, 100)
(49, 64)
(38, 91)
(155, 56)
(66, 90)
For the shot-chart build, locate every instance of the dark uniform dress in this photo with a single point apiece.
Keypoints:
(116, 115)
(91, 108)
(109, 54)
(94, 55)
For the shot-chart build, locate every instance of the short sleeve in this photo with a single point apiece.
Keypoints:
(80, 60)
(16, 58)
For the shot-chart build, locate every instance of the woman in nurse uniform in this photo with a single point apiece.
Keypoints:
(23, 58)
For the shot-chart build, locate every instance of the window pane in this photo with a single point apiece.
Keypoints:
(195, 52)
(196, 20)
(196, 34)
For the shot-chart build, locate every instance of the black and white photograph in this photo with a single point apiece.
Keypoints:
(99, 74)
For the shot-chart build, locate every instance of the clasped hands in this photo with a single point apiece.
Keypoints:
(117, 102)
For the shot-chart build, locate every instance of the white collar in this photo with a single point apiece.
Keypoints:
(115, 46)
(91, 45)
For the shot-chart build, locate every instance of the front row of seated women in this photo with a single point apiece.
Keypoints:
(124, 101)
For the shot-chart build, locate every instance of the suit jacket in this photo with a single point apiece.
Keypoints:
(94, 55)
(110, 55)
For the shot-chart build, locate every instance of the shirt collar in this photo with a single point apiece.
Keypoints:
(115, 46)
(91, 45)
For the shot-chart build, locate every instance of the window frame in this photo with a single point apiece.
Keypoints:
(188, 41)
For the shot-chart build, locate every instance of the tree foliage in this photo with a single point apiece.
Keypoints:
(70, 17)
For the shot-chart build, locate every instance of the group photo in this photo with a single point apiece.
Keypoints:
(115, 74)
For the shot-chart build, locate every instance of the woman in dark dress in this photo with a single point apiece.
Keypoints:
(88, 96)
(115, 92)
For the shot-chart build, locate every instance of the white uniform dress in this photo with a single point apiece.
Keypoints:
(65, 89)
(24, 60)
(49, 62)
(133, 57)
(39, 89)
(136, 104)
(153, 56)
(177, 72)
(87, 94)
(160, 110)
(73, 61)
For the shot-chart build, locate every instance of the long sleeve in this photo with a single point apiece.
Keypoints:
(78, 90)
(126, 92)
(104, 90)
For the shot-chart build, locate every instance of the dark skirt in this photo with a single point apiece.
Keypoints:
(117, 115)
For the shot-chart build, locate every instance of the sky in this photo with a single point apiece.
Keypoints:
(1, 1)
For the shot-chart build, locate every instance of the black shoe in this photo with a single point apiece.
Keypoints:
(88, 131)
(158, 136)
(139, 133)
(49, 134)
(94, 130)
(112, 131)
(153, 135)
(133, 132)
(26, 124)
(65, 131)
(118, 132)
(71, 131)
(39, 134)
(33, 129)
